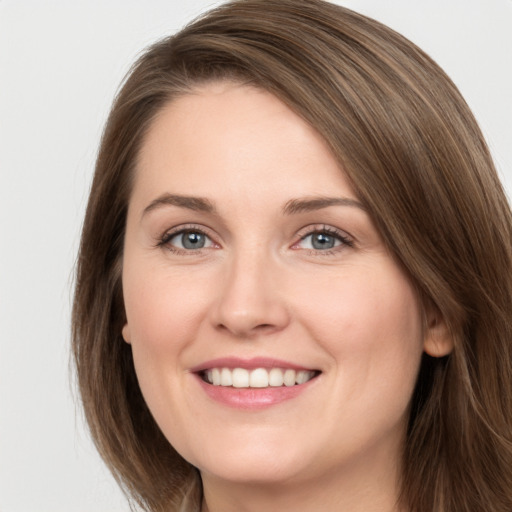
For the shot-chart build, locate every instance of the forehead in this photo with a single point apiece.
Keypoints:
(238, 139)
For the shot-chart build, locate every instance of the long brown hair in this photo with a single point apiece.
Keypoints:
(416, 157)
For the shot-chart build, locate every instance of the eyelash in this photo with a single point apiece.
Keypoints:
(340, 236)
(181, 230)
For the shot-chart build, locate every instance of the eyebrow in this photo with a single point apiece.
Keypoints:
(294, 206)
(318, 203)
(198, 204)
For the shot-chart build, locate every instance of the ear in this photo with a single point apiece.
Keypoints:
(126, 333)
(437, 341)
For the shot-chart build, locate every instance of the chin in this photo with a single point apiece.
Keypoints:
(255, 472)
(250, 462)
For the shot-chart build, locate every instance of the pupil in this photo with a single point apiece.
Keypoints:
(193, 240)
(322, 241)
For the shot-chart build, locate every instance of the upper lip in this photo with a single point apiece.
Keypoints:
(248, 364)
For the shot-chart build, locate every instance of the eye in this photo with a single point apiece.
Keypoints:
(320, 241)
(187, 240)
(323, 239)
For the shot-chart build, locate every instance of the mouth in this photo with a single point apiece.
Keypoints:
(257, 378)
(254, 384)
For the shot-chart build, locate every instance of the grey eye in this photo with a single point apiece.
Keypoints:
(193, 240)
(190, 240)
(322, 241)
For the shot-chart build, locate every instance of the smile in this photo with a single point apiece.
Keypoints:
(257, 378)
(253, 384)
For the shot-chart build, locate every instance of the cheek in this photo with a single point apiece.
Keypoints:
(163, 309)
(369, 321)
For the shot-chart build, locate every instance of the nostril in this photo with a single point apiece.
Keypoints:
(264, 326)
(246, 331)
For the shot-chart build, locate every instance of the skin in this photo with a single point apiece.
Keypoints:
(260, 289)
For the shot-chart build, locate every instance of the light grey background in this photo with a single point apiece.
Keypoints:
(60, 65)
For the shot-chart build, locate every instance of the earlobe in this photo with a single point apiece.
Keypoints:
(438, 341)
(126, 333)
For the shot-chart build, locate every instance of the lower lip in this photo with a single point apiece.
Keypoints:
(252, 398)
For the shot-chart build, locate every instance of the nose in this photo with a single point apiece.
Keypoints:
(251, 301)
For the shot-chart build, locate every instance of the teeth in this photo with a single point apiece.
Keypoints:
(258, 378)
(225, 377)
(275, 377)
(240, 378)
(302, 377)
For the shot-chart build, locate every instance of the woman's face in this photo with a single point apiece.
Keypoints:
(274, 336)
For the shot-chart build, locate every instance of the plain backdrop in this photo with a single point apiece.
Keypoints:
(60, 65)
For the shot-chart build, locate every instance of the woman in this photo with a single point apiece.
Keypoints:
(294, 282)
